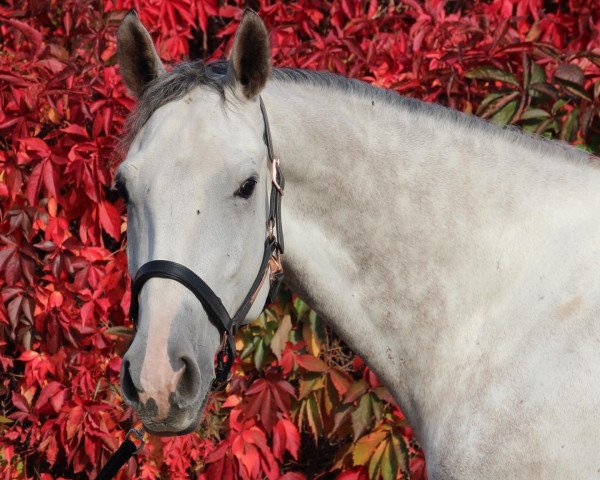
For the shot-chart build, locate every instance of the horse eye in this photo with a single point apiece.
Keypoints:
(246, 189)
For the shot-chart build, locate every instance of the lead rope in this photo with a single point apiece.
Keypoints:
(127, 450)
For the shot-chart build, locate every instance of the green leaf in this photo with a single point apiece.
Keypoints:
(316, 325)
(307, 386)
(543, 88)
(570, 127)
(355, 390)
(505, 114)
(365, 447)
(341, 417)
(375, 463)
(362, 417)
(389, 463)
(489, 98)
(585, 148)
(532, 113)
(301, 308)
(259, 356)
(261, 321)
(532, 126)
(496, 106)
(377, 406)
(249, 347)
(561, 102)
(538, 73)
(300, 411)
(526, 71)
(282, 335)
(491, 73)
(401, 451)
(574, 89)
(313, 415)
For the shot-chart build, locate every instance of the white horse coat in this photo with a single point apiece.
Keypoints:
(458, 258)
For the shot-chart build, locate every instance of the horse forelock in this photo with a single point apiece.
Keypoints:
(172, 86)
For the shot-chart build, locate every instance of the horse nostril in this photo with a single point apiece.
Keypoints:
(189, 383)
(130, 392)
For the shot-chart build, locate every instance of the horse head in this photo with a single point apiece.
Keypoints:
(197, 183)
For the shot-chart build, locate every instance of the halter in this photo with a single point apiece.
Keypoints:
(217, 314)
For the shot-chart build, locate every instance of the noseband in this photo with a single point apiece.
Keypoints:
(270, 266)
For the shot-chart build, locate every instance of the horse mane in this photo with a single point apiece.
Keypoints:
(186, 76)
(435, 112)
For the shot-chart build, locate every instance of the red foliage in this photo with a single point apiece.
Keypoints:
(64, 284)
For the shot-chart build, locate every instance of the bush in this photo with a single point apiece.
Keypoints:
(65, 291)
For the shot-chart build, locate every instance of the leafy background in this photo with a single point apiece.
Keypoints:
(301, 404)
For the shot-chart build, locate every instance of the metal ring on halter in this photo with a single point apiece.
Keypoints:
(274, 175)
(139, 434)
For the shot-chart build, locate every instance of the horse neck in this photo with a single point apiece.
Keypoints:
(406, 231)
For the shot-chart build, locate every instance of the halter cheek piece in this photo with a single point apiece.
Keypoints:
(270, 267)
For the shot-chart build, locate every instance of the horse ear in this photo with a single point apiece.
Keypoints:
(138, 59)
(251, 55)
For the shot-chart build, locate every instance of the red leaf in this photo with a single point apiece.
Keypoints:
(4, 256)
(51, 450)
(50, 176)
(310, 363)
(58, 400)
(110, 219)
(293, 476)
(75, 130)
(37, 145)
(34, 184)
(47, 392)
(87, 312)
(29, 355)
(31, 33)
(20, 402)
(74, 421)
(341, 381)
(357, 473)
(356, 390)
(285, 437)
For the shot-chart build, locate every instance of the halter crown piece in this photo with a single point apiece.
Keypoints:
(270, 267)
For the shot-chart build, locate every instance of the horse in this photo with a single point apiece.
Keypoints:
(457, 257)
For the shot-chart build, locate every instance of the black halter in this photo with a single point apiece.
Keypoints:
(217, 313)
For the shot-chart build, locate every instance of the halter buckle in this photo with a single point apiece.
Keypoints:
(274, 175)
(275, 264)
(276, 277)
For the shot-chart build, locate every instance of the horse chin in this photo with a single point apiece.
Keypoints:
(175, 424)
(170, 433)
(171, 427)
